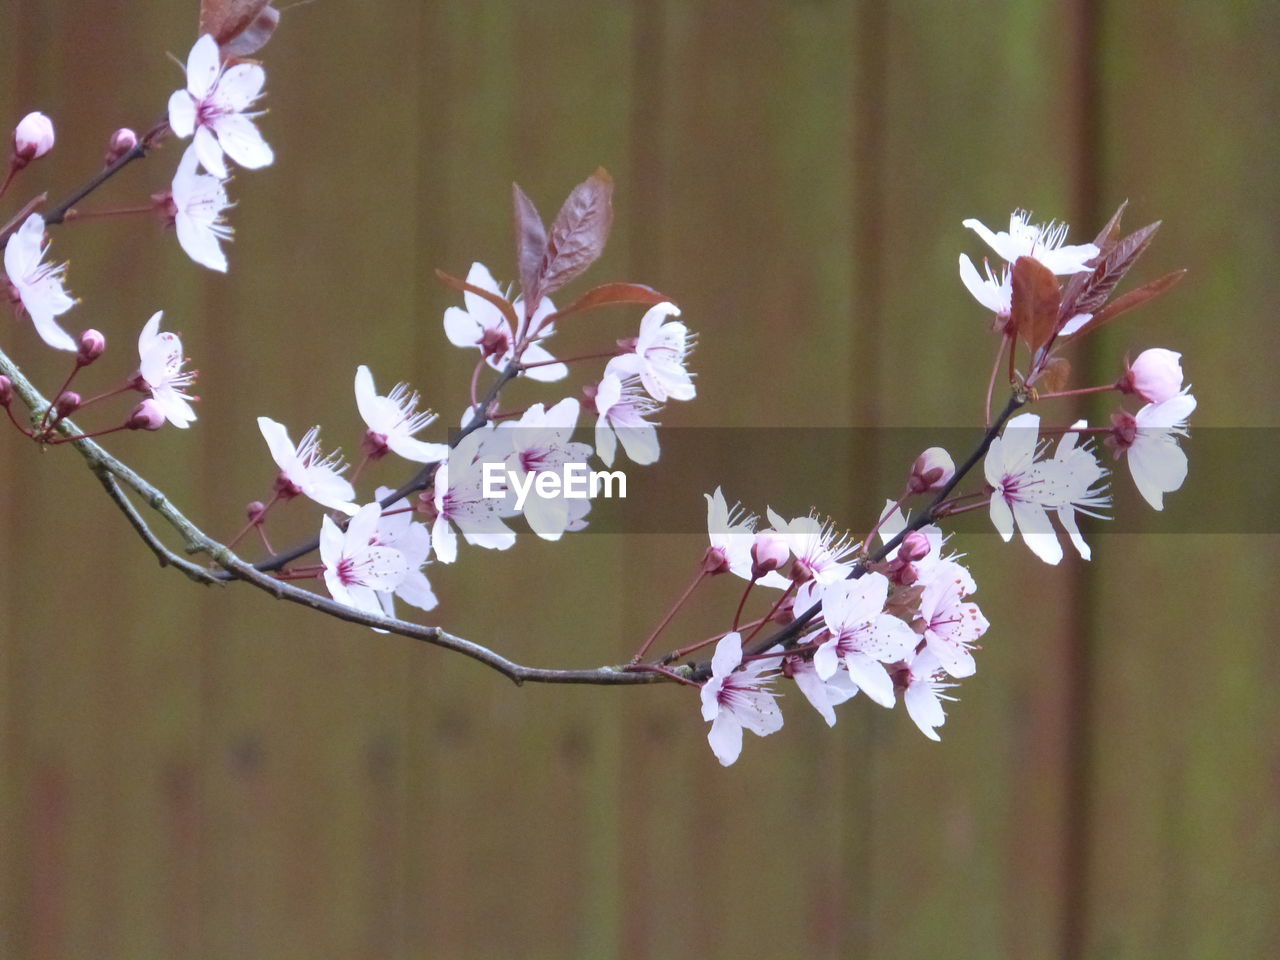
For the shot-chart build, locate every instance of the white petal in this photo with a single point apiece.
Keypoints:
(871, 677)
(241, 141)
(278, 442)
(444, 540)
(203, 64)
(199, 243)
(209, 151)
(418, 451)
(533, 353)
(1158, 466)
(240, 86)
(725, 738)
(182, 114)
(641, 443)
(1033, 524)
(728, 655)
(606, 442)
(925, 709)
(416, 591)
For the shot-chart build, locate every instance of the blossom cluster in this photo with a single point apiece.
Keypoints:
(889, 614)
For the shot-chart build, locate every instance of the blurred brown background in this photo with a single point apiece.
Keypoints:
(199, 773)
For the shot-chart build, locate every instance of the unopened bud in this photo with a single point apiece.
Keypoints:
(905, 575)
(32, 138)
(1156, 375)
(932, 470)
(786, 611)
(6, 391)
(768, 553)
(146, 416)
(254, 511)
(715, 561)
(67, 403)
(121, 142)
(915, 546)
(92, 345)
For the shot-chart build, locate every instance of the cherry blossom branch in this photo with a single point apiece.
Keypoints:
(787, 635)
(113, 473)
(420, 480)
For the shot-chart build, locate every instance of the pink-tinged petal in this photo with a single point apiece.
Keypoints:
(1001, 516)
(641, 443)
(337, 589)
(1158, 466)
(241, 141)
(608, 391)
(1033, 524)
(1166, 415)
(759, 712)
(331, 541)
(364, 525)
(201, 245)
(955, 659)
(278, 442)
(725, 738)
(925, 709)
(203, 64)
(547, 516)
(51, 332)
(444, 540)
(871, 677)
(182, 114)
(1075, 324)
(887, 639)
(418, 451)
(606, 442)
(651, 323)
(209, 152)
(534, 353)
(383, 568)
(416, 591)
(815, 691)
(1067, 517)
(728, 655)
(1000, 243)
(175, 408)
(367, 398)
(826, 660)
(982, 291)
(240, 86)
(626, 365)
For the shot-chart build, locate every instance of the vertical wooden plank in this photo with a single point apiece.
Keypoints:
(1184, 852)
(968, 833)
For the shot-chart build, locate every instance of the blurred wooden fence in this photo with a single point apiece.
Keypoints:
(188, 773)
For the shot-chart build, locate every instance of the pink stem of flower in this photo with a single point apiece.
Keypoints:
(806, 648)
(1076, 393)
(475, 385)
(954, 511)
(86, 436)
(123, 388)
(769, 616)
(8, 179)
(14, 420)
(255, 522)
(585, 356)
(742, 603)
(991, 383)
(296, 575)
(44, 421)
(662, 625)
(77, 214)
(355, 474)
(675, 655)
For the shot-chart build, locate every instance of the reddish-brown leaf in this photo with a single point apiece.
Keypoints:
(1056, 375)
(578, 236)
(255, 36)
(1035, 301)
(227, 20)
(612, 293)
(501, 303)
(1076, 283)
(1134, 298)
(1111, 270)
(531, 243)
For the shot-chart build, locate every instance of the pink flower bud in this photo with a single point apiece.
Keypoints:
(121, 142)
(32, 138)
(146, 416)
(427, 506)
(715, 561)
(768, 552)
(915, 546)
(932, 470)
(6, 391)
(67, 403)
(1156, 375)
(254, 511)
(92, 345)
(905, 575)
